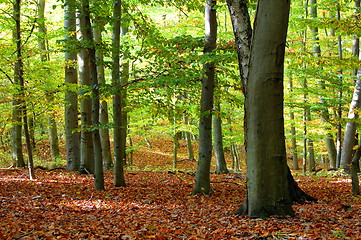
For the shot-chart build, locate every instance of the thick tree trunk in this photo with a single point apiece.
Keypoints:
(269, 189)
(119, 156)
(202, 179)
(71, 98)
(297, 195)
(267, 184)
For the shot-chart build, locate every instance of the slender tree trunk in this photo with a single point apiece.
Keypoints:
(242, 30)
(221, 165)
(131, 145)
(354, 168)
(19, 74)
(330, 143)
(44, 57)
(293, 133)
(243, 33)
(53, 134)
(349, 138)
(28, 144)
(340, 93)
(119, 157)
(176, 137)
(123, 93)
(104, 116)
(188, 138)
(236, 166)
(86, 140)
(97, 150)
(72, 135)
(202, 179)
(17, 150)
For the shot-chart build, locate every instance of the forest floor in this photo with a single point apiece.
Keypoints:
(156, 204)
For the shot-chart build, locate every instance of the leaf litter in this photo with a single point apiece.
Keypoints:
(158, 205)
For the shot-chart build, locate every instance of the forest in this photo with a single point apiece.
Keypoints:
(180, 120)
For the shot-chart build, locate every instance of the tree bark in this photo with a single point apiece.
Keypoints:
(104, 116)
(355, 184)
(349, 137)
(97, 150)
(340, 96)
(119, 157)
(329, 141)
(293, 133)
(202, 179)
(221, 165)
(17, 148)
(123, 93)
(86, 140)
(243, 33)
(266, 150)
(19, 75)
(44, 57)
(71, 98)
(188, 138)
(297, 195)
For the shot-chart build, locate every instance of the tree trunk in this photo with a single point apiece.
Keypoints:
(349, 138)
(330, 143)
(276, 199)
(104, 117)
(202, 179)
(176, 137)
(266, 150)
(243, 33)
(123, 93)
(86, 140)
(355, 188)
(308, 151)
(17, 148)
(340, 93)
(71, 98)
(236, 166)
(53, 135)
(221, 165)
(296, 195)
(97, 150)
(44, 57)
(119, 156)
(293, 133)
(19, 75)
(188, 138)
